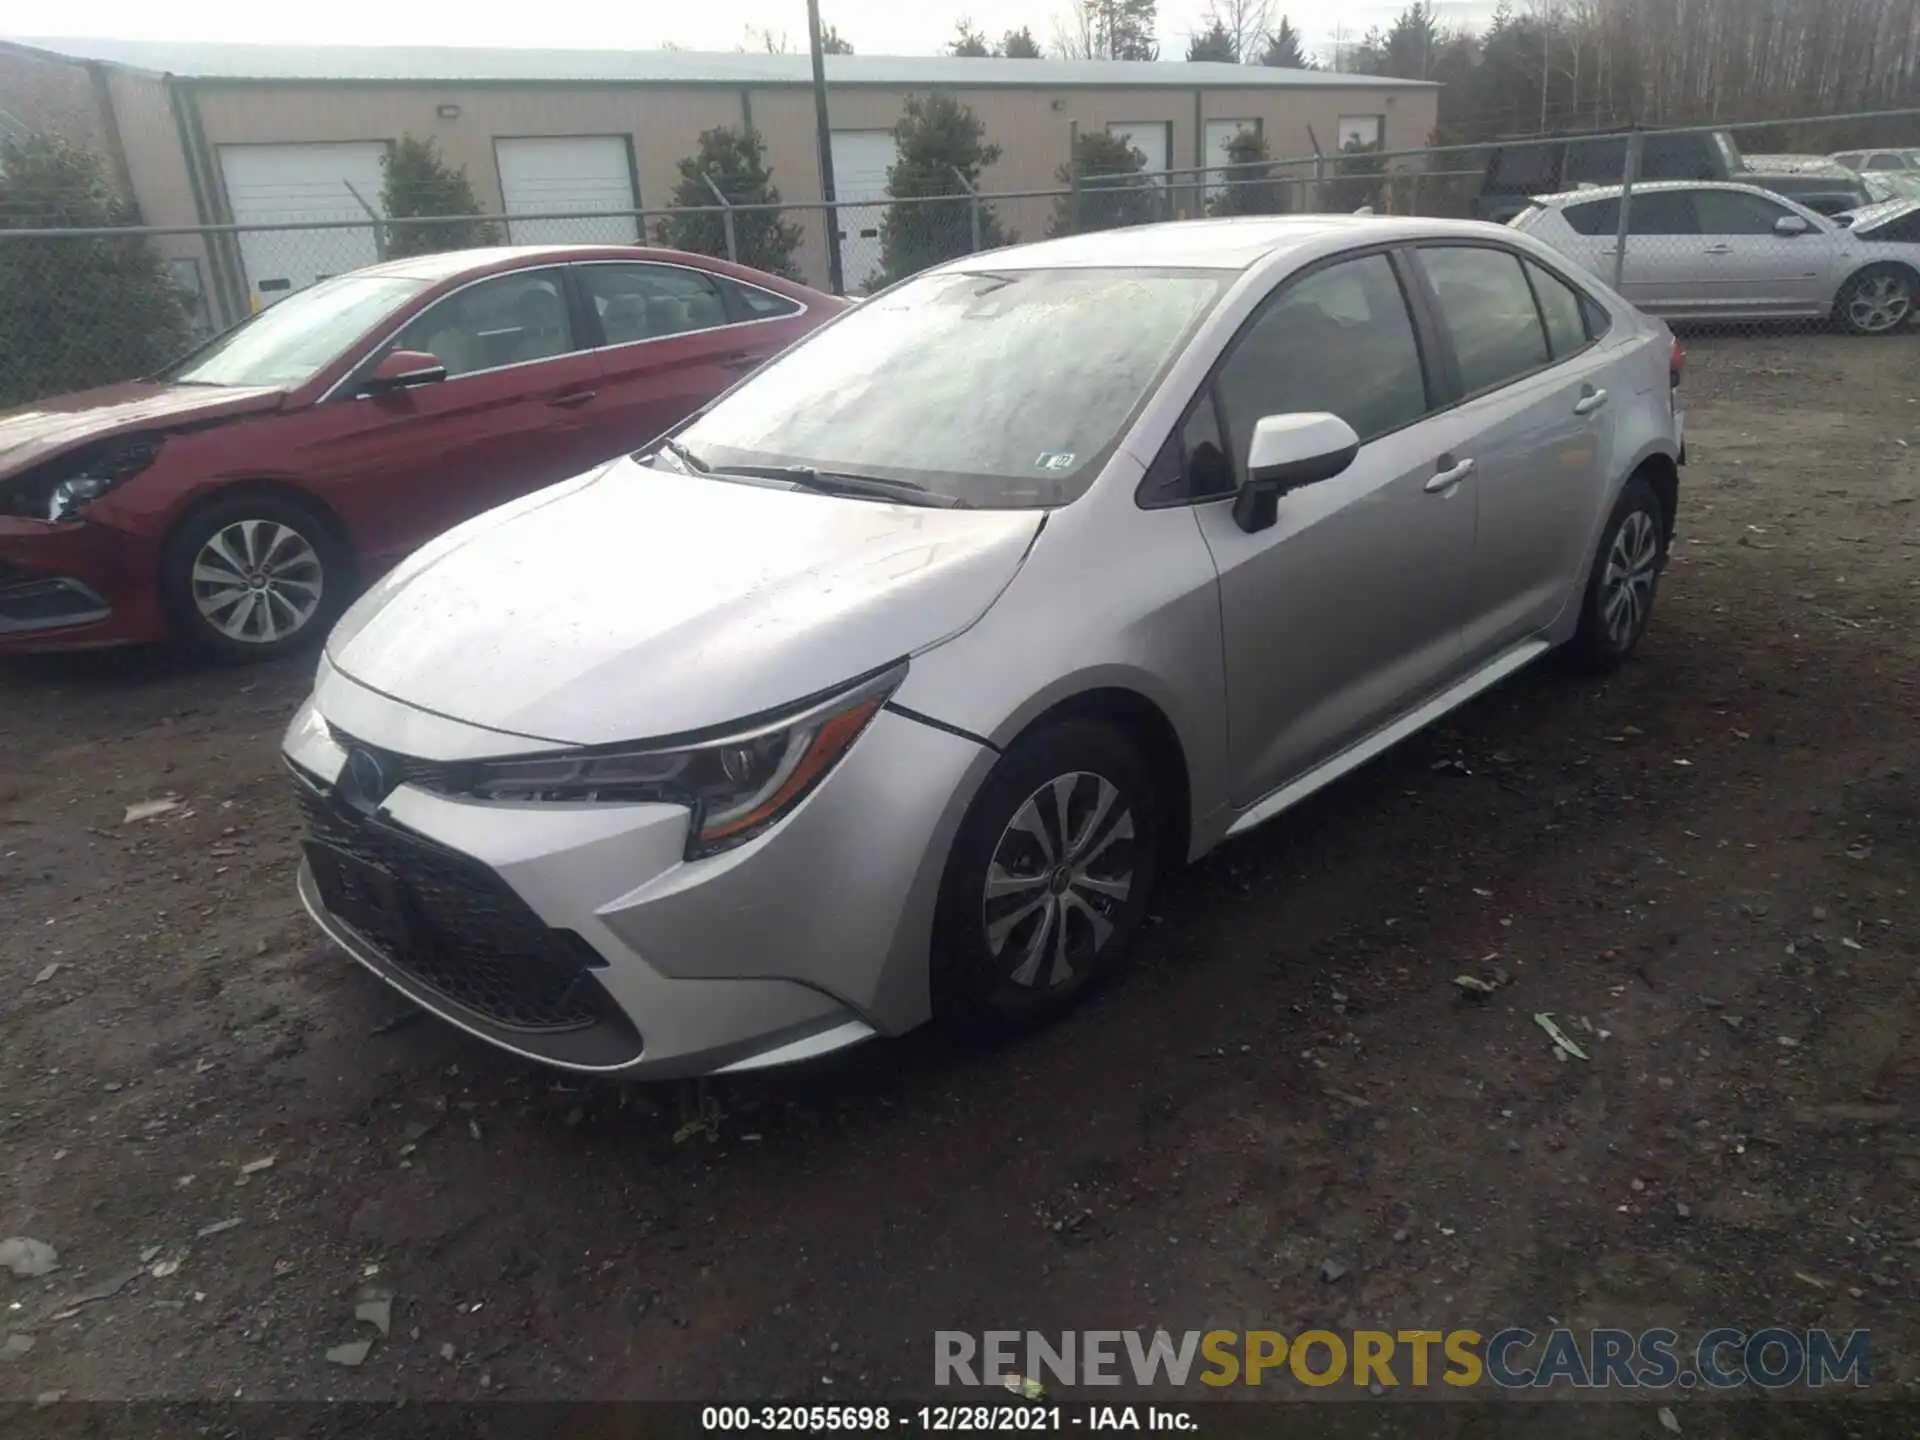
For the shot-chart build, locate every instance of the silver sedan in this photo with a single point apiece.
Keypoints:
(885, 688)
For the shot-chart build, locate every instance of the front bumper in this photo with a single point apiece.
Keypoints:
(74, 585)
(812, 937)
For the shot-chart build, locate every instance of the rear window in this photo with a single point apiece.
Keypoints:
(1594, 217)
(1525, 167)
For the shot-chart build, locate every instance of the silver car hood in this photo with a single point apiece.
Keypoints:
(635, 603)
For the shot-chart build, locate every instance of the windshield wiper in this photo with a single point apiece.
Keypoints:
(841, 482)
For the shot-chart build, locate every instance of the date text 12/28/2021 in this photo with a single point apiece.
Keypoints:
(940, 1419)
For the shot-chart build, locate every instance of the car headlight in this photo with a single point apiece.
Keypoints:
(62, 488)
(737, 785)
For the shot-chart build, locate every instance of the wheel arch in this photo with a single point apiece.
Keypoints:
(1904, 267)
(282, 490)
(1153, 734)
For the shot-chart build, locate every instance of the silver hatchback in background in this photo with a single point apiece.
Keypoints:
(1711, 252)
(886, 687)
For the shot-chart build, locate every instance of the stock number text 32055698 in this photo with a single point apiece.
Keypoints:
(868, 1419)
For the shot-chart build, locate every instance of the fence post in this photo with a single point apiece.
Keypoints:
(1628, 176)
(726, 219)
(379, 234)
(1073, 172)
(973, 205)
(1319, 173)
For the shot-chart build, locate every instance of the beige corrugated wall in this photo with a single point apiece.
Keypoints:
(1031, 126)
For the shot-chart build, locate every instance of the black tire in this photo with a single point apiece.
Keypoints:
(979, 991)
(1602, 642)
(301, 550)
(1880, 300)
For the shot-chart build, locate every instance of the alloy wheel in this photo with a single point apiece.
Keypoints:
(1060, 875)
(1879, 303)
(257, 581)
(1626, 593)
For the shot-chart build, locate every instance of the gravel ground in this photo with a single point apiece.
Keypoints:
(1705, 868)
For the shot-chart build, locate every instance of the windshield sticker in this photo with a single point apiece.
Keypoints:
(1055, 460)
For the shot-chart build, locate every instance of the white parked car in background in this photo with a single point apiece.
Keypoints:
(1701, 251)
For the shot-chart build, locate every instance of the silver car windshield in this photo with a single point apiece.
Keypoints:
(291, 342)
(1002, 390)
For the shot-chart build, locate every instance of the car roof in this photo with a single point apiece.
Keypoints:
(1654, 187)
(448, 264)
(1797, 165)
(1227, 243)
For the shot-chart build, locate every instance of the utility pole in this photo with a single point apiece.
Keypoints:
(836, 282)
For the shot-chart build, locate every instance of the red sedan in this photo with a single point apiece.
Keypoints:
(233, 501)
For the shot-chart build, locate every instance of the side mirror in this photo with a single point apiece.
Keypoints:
(402, 370)
(1791, 225)
(1290, 451)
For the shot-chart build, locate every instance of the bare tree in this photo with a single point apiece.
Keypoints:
(1246, 23)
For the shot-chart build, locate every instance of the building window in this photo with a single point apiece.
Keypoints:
(1361, 132)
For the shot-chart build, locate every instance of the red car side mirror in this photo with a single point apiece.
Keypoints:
(402, 370)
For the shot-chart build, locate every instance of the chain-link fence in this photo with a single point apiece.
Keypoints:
(1647, 211)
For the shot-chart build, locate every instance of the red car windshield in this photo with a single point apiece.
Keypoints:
(289, 343)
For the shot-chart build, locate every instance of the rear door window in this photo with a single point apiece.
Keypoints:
(651, 302)
(1733, 212)
(1488, 309)
(1560, 307)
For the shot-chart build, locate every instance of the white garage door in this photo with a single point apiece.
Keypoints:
(861, 159)
(1220, 134)
(289, 184)
(1152, 138)
(567, 175)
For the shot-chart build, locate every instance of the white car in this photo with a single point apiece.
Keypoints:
(1704, 251)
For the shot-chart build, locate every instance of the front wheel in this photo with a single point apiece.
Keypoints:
(1625, 575)
(1877, 301)
(252, 577)
(1049, 878)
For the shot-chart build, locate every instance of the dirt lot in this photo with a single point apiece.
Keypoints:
(1706, 869)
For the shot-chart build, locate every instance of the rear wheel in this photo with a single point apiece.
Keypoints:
(252, 577)
(1049, 878)
(1625, 575)
(1878, 301)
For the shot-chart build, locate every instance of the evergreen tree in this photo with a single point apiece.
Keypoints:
(76, 313)
(968, 41)
(736, 162)
(1284, 49)
(1020, 45)
(1214, 43)
(1251, 190)
(1112, 192)
(936, 142)
(416, 181)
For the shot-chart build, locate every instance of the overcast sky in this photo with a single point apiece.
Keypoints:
(876, 27)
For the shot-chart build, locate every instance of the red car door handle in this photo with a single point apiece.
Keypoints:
(572, 398)
(741, 362)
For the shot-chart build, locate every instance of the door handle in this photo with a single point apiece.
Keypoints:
(572, 399)
(1447, 479)
(741, 362)
(1718, 250)
(1590, 402)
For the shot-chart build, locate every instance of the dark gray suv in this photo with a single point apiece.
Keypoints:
(1517, 170)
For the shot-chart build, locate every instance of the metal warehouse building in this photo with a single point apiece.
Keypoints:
(204, 134)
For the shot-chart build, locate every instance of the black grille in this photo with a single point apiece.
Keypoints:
(449, 923)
